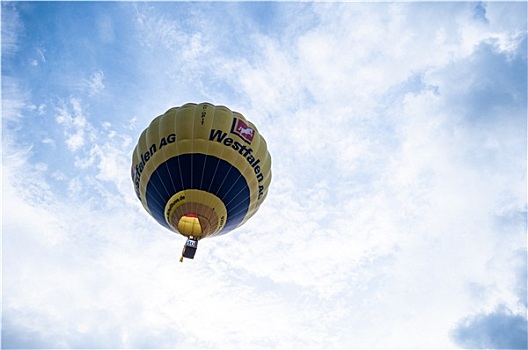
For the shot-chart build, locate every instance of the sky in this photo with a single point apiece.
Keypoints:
(396, 217)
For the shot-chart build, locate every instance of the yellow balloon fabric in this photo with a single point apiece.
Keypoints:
(201, 170)
(190, 226)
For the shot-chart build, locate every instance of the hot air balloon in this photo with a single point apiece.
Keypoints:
(201, 170)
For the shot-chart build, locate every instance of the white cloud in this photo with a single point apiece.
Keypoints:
(41, 57)
(158, 29)
(41, 52)
(76, 127)
(11, 28)
(15, 99)
(106, 28)
(49, 141)
(394, 211)
(95, 84)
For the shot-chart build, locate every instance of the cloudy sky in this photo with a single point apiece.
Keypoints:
(397, 212)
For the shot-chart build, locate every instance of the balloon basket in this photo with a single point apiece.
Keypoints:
(189, 249)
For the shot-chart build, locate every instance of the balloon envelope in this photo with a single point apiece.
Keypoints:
(201, 170)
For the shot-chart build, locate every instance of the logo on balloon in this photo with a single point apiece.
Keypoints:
(242, 130)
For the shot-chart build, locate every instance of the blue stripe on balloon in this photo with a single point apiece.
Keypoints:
(202, 172)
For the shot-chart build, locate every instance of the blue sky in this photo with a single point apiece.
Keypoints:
(397, 212)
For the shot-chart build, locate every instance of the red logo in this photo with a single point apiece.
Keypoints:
(241, 129)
